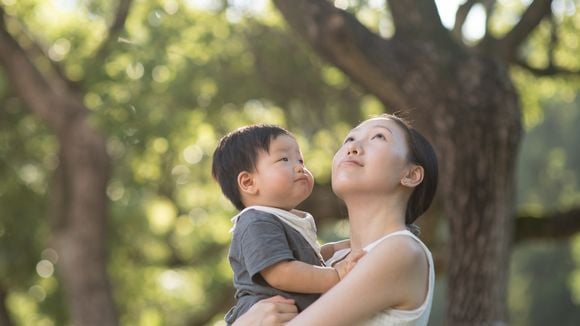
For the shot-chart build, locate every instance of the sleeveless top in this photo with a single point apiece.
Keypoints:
(415, 317)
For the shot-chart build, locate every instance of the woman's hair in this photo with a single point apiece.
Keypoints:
(420, 153)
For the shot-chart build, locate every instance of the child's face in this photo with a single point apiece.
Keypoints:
(373, 158)
(282, 179)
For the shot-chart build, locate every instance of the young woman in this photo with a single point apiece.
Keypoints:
(386, 173)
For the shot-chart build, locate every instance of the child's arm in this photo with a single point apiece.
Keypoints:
(328, 249)
(296, 276)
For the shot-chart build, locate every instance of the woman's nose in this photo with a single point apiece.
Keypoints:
(353, 148)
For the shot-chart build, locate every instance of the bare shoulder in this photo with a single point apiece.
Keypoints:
(401, 247)
(404, 265)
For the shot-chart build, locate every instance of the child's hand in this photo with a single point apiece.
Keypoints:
(346, 265)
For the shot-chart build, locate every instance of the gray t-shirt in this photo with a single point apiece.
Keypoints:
(261, 240)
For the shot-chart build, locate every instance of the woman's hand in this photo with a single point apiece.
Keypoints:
(273, 311)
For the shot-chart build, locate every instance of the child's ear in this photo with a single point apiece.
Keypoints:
(247, 183)
(414, 176)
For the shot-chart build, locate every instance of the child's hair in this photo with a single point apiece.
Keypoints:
(237, 152)
(421, 153)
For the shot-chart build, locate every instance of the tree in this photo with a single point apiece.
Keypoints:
(78, 211)
(462, 97)
(159, 89)
(148, 133)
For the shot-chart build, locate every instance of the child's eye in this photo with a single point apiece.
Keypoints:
(348, 139)
(380, 136)
(301, 161)
(285, 159)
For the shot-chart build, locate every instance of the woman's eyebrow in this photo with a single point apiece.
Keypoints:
(384, 127)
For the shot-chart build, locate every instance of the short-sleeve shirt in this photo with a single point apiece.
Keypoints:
(261, 240)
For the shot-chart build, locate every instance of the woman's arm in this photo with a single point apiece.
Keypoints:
(393, 275)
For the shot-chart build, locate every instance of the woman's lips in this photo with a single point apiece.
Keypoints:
(351, 162)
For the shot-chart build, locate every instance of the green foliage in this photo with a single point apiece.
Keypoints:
(27, 162)
(549, 163)
(177, 79)
(540, 291)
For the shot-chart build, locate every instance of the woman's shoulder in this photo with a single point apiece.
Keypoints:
(399, 240)
(402, 254)
(400, 247)
(402, 262)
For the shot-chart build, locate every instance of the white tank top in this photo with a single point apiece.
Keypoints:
(415, 317)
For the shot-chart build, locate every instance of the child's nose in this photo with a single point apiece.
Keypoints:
(299, 168)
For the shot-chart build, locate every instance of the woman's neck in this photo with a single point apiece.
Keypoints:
(372, 218)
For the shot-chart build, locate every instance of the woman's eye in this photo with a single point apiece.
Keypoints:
(301, 161)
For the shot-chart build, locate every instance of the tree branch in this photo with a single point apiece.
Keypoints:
(39, 51)
(327, 209)
(29, 83)
(550, 70)
(460, 18)
(553, 39)
(417, 19)
(557, 226)
(343, 41)
(115, 30)
(530, 19)
(489, 6)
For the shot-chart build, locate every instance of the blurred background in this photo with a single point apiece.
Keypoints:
(110, 112)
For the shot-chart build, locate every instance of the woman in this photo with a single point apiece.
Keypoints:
(386, 173)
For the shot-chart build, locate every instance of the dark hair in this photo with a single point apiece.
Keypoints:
(237, 152)
(421, 153)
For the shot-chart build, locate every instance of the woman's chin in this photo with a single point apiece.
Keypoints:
(342, 188)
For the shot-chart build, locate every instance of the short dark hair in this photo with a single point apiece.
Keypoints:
(237, 152)
(421, 153)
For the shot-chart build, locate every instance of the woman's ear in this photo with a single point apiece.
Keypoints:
(246, 183)
(414, 176)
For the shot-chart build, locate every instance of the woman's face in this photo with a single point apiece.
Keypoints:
(373, 159)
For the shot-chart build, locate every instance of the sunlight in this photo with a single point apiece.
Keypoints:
(193, 154)
(161, 214)
(37, 292)
(45, 268)
(170, 280)
(474, 27)
(50, 255)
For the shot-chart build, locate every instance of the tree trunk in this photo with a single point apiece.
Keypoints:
(79, 202)
(468, 108)
(466, 105)
(477, 131)
(5, 319)
(79, 223)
